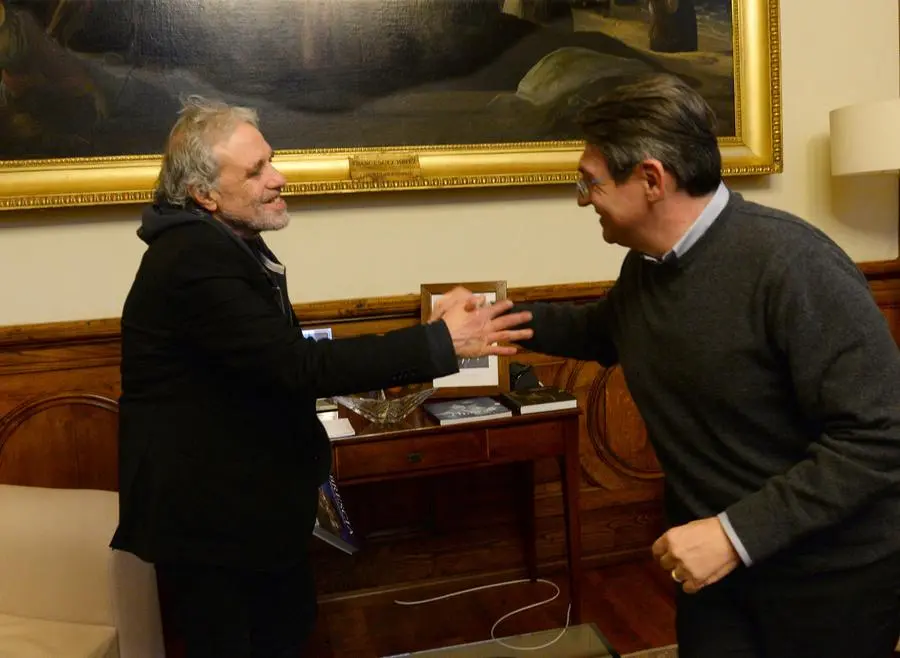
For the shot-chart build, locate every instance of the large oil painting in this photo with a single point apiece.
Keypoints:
(360, 95)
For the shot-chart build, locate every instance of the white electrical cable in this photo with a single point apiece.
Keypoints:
(508, 614)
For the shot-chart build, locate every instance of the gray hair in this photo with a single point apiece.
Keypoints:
(662, 117)
(189, 162)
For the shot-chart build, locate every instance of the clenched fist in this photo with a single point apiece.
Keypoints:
(696, 554)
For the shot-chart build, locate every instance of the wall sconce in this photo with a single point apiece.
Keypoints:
(865, 138)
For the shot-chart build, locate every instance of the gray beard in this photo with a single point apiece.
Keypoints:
(249, 227)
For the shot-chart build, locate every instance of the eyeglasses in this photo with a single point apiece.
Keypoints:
(584, 186)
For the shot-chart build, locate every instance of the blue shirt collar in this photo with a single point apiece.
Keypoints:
(706, 218)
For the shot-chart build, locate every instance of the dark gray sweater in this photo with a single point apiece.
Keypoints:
(769, 383)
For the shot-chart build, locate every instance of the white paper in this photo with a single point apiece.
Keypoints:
(338, 428)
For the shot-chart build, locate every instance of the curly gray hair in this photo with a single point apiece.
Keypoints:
(189, 163)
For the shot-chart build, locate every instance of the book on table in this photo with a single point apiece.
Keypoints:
(539, 399)
(466, 410)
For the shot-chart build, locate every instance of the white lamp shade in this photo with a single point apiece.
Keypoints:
(865, 138)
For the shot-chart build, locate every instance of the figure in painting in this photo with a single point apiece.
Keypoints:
(673, 26)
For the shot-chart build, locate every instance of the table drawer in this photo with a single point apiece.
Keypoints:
(366, 460)
(545, 439)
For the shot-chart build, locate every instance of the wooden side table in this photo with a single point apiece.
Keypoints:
(419, 447)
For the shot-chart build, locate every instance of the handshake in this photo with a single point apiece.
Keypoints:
(477, 327)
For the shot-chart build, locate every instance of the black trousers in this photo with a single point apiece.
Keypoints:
(757, 613)
(223, 612)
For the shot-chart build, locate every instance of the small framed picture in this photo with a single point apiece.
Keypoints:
(321, 333)
(486, 375)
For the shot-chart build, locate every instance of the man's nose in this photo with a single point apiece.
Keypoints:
(278, 180)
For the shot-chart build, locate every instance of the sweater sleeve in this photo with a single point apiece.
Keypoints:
(574, 331)
(845, 369)
(222, 317)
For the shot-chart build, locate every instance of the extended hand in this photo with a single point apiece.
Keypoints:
(696, 554)
(455, 297)
(476, 328)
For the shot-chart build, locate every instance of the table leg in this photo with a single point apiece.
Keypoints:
(570, 472)
(525, 476)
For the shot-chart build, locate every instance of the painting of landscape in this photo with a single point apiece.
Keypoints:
(446, 93)
(95, 78)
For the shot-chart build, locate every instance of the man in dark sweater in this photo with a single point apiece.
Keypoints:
(220, 450)
(768, 381)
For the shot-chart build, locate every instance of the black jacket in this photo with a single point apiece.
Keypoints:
(220, 450)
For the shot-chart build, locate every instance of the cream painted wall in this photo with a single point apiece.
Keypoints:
(79, 264)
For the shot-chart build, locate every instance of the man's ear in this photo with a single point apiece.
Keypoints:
(654, 175)
(204, 198)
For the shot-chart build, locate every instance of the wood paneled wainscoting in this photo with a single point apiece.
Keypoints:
(58, 389)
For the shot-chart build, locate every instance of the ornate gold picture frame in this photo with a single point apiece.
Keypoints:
(487, 375)
(360, 96)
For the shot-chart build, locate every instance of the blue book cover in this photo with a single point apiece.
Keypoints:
(332, 523)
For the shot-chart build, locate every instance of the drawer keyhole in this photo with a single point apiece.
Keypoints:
(414, 457)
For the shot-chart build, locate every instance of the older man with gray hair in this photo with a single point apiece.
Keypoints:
(220, 450)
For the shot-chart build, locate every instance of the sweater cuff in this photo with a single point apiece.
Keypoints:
(734, 539)
(440, 348)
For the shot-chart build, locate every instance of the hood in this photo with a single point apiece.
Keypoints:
(161, 216)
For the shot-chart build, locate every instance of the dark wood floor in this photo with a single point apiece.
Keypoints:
(632, 604)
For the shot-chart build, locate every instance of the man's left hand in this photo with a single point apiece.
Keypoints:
(696, 554)
(454, 298)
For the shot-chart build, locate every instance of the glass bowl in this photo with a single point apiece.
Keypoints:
(385, 406)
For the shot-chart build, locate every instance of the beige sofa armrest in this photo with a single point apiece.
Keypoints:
(54, 553)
